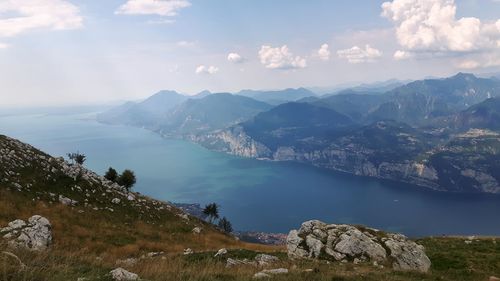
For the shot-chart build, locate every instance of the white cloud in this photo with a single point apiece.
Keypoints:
(235, 58)
(324, 52)
(186, 44)
(202, 69)
(468, 64)
(168, 8)
(402, 55)
(18, 16)
(360, 55)
(432, 26)
(4, 46)
(280, 58)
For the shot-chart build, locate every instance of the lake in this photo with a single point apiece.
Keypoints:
(256, 195)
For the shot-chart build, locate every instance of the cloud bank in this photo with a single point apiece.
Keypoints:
(235, 58)
(19, 16)
(203, 69)
(360, 55)
(431, 25)
(324, 52)
(280, 58)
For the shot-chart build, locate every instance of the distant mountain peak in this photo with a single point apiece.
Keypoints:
(164, 93)
(202, 94)
(463, 75)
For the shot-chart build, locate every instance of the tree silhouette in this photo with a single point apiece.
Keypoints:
(78, 158)
(111, 175)
(127, 179)
(212, 212)
(225, 225)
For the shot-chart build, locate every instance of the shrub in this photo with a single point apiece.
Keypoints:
(111, 175)
(127, 179)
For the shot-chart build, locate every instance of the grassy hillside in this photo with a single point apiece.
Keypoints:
(92, 235)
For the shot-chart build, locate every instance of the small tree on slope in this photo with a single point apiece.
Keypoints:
(127, 179)
(212, 212)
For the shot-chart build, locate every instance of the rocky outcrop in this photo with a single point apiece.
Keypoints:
(36, 234)
(318, 240)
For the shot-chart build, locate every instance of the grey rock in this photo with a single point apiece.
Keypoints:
(67, 201)
(35, 235)
(263, 259)
(407, 254)
(345, 243)
(275, 271)
(261, 275)
(293, 245)
(121, 274)
(354, 243)
(315, 246)
(221, 252)
(235, 262)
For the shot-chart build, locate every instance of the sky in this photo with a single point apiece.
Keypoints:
(69, 52)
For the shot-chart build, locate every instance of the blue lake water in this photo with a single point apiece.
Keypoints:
(256, 195)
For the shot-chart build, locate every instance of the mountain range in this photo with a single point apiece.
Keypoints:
(411, 133)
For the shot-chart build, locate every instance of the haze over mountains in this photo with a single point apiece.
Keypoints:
(408, 133)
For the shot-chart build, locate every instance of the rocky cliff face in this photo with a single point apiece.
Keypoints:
(233, 141)
(472, 154)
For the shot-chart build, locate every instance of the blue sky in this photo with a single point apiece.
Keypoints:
(75, 51)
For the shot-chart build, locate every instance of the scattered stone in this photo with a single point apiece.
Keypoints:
(197, 230)
(234, 262)
(35, 235)
(116, 201)
(308, 270)
(346, 242)
(188, 251)
(66, 201)
(263, 259)
(275, 271)
(220, 252)
(261, 275)
(493, 278)
(155, 254)
(120, 274)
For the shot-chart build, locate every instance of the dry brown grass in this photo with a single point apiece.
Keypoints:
(105, 233)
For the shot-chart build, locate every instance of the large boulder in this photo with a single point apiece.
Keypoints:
(319, 240)
(34, 235)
